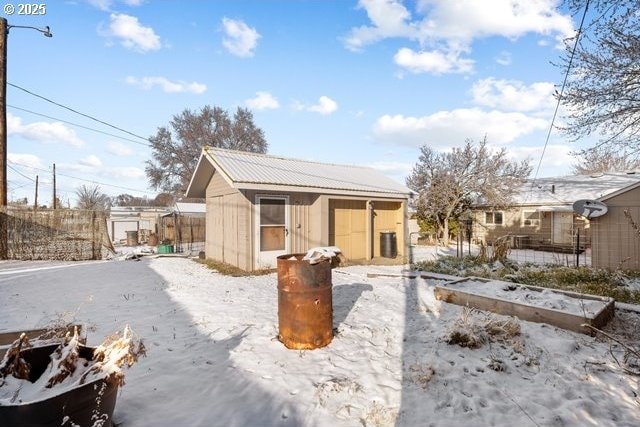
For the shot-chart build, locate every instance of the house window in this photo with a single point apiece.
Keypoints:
(530, 218)
(493, 218)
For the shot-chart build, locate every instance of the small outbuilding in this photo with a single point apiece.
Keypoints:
(261, 206)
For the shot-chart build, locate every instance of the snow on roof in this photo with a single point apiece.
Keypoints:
(245, 168)
(191, 207)
(567, 189)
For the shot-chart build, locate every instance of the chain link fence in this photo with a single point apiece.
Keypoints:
(611, 242)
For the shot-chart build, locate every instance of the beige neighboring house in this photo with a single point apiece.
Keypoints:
(542, 217)
(261, 206)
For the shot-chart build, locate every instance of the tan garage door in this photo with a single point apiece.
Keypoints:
(348, 227)
(387, 216)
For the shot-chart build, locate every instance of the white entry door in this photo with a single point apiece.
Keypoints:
(272, 229)
(562, 227)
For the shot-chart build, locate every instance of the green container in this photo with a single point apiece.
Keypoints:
(165, 249)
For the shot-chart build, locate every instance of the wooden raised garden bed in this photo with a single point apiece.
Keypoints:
(567, 310)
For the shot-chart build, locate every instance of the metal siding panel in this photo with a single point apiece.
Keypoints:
(244, 232)
(215, 242)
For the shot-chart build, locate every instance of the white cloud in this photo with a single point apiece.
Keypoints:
(46, 132)
(464, 20)
(167, 85)
(513, 95)
(392, 168)
(435, 62)
(450, 128)
(241, 40)
(263, 101)
(126, 172)
(118, 149)
(92, 161)
(389, 18)
(504, 58)
(132, 34)
(101, 4)
(448, 28)
(22, 159)
(106, 4)
(324, 106)
(556, 157)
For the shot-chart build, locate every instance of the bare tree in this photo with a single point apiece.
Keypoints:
(600, 160)
(447, 183)
(176, 148)
(602, 94)
(92, 198)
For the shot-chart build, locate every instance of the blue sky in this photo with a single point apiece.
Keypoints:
(362, 82)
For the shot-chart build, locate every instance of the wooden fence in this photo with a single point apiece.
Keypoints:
(185, 232)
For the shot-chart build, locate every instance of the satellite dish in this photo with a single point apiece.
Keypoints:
(589, 208)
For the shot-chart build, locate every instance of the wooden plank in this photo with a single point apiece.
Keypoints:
(532, 313)
(395, 275)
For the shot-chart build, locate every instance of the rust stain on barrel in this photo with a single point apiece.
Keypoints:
(305, 309)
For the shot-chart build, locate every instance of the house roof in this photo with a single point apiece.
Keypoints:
(245, 170)
(567, 189)
(136, 211)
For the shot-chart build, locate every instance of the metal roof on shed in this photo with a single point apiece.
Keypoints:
(259, 171)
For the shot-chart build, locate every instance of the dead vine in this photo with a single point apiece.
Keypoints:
(631, 358)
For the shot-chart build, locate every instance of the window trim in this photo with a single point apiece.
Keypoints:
(493, 218)
(534, 222)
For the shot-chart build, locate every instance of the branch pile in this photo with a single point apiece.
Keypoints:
(67, 369)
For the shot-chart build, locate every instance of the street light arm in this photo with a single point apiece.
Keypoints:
(46, 30)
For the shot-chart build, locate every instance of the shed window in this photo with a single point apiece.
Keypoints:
(530, 218)
(493, 218)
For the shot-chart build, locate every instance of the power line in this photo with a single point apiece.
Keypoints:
(76, 111)
(20, 173)
(77, 125)
(564, 83)
(85, 180)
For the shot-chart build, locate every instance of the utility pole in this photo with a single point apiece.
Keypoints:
(55, 198)
(4, 32)
(4, 244)
(35, 203)
(3, 112)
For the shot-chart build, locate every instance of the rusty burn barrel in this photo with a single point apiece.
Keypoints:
(305, 309)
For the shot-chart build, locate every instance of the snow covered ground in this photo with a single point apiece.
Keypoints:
(214, 360)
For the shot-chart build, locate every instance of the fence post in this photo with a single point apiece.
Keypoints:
(578, 247)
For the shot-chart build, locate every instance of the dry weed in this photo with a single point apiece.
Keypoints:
(12, 363)
(378, 415)
(108, 359)
(64, 360)
(473, 331)
(114, 353)
(421, 374)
